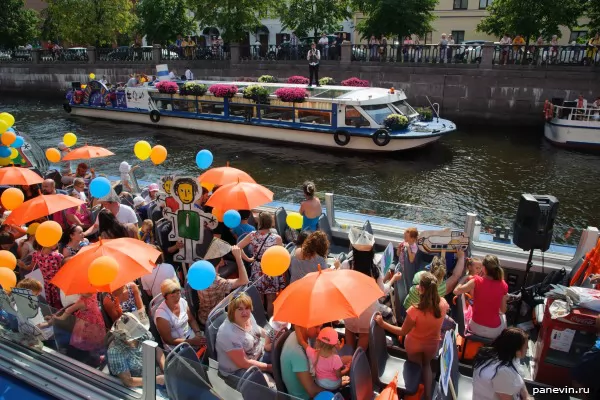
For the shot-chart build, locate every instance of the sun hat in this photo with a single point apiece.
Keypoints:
(328, 335)
(124, 168)
(360, 239)
(138, 201)
(128, 327)
(153, 187)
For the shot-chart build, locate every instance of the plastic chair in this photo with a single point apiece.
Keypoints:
(185, 377)
(276, 360)
(326, 229)
(466, 335)
(253, 385)
(192, 299)
(280, 222)
(202, 248)
(155, 303)
(361, 385)
(210, 331)
(384, 366)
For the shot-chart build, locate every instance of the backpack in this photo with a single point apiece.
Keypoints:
(553, 278)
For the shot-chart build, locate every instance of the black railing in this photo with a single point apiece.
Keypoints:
(547, 55)
(125, 54)
(72, 55)
(432, 54)
(285, 51)
(15, 56)
(214, 52)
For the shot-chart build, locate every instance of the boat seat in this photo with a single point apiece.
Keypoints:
(210, 331)
(227, 270)
(253, 385)
(276, 360)
(191, 296)
(324, 227)
(400, 293)
(361, 384)
(185, 377)
(258, 309)
(384, 366)
(281, 224)
(154, 303)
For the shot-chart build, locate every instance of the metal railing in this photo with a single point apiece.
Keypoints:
(15, 56)
(584, 114)
(79, 55)
(124, 54)
(286, 52)
(583, 55)
(214, 52)
(430, 54)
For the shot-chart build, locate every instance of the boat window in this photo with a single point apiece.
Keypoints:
(404, 107)
(242, 110)
(184, 105)
(164, 104)
(314, 117)
(378, 112)
(353, 117)
(330, 94)
(205, 107)
(277, 113)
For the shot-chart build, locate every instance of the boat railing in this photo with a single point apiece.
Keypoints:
(584, 114)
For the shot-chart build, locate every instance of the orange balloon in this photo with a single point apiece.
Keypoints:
(48, 233)
(53, 155)
(8, 279)
(275, 261)
(158, 155)
(12, 198)
(103, 271)
(8, 260)
(218, 214)
(8, 138)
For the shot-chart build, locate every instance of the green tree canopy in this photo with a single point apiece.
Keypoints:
(530, 18)
(162, 20)
(18, 25)
(395, 17)
(234, 17)
(593, 13)
(313, 16)
(90, 22)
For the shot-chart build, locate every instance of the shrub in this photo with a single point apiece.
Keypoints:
(220, 90)
(395, 121)
(299, 80)
(354, 81)
(167, 87)
(267, 79)
(326, 81)
(426, 113)
(291, 95)
(258, 93)
(193, 89)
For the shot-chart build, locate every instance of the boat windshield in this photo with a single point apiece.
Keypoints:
(404, 108)
(378, 112)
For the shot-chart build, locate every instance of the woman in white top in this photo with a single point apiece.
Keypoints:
(174, 319)
(496, 375)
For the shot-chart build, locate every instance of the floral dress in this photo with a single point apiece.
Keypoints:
(49, 264)
(264, 283)
(89, 330)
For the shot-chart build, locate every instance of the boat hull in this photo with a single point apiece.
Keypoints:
(573, 134)
(261, 132)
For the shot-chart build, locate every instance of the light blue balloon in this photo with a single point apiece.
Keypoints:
(204, 159)
(232, 219)
(19, 141)
(201, 275)
(324, 396)
(99, 187)
(4, 151)
(11, 129)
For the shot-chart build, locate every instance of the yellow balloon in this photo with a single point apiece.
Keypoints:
(8, 279)
(8, 118)
(32, 228)
(103, 271)
(5, 161)
(48, 233)
(275, 261)
(294, 220)
(7, 260)
(69, 139)
(53, 155)
(92, 76)
(158, 155)
(8, 138)
(14, 153)
(12, 198)
(3, 125)
(142, 150)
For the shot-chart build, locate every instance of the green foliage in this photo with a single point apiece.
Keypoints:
(257, 93)
(18, 25)
(593, 13)
(313, 17)
(326, 81)
(395, 18)
(89, 22)
(425, 113)
(530, 18)
(267, 79)
(193, 89)
(235, 18)
(163, 20)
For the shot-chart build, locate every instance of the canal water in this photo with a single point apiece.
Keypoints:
(484, 170)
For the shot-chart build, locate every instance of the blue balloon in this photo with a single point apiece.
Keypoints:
(324, 396)
(11, 129)
(204, 159)
(201, 275)
(99, 187)
(232, 219)
(4, 151)
(19, 141)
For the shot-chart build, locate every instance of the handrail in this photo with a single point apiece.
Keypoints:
(586, 114)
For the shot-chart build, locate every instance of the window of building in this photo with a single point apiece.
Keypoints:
(483, 4)
(461, 4)
(428, 37)
(458, 36)
(576, 35)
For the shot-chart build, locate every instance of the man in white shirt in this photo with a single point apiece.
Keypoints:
(151, 282)
(189, 75)
(123, 213)
(313, 57)
(172, 75)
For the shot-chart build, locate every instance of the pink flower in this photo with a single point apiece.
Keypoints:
(291, 95)
(354, 81)
(297, 79)
(220, 90)
(167, 87)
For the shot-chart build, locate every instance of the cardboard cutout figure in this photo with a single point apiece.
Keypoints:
(166, 199)
(187, 220)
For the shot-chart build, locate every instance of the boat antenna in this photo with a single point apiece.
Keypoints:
(437, 114)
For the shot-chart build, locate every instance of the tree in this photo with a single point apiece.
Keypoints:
(18, 26)
(395, 17)
(314, 16)
(530, 18)
(235, 18)
(593, 13)
(90, 22)
(162, 20)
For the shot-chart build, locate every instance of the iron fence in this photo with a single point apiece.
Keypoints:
(15, 56)
(125, 54)
(214, 52)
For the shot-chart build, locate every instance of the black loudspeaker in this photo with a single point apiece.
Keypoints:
(534, 223)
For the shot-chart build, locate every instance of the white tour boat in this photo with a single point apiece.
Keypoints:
(570, 126)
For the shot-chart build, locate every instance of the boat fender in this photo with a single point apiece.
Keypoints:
(67, 107)
(342, 138)
(381, 137)
(154, 116)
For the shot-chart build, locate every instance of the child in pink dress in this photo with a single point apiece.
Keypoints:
(326, 365)
(89, 330)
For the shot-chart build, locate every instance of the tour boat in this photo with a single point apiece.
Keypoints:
(335, 117)
(570, 126)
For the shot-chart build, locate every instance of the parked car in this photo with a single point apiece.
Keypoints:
(470, 50)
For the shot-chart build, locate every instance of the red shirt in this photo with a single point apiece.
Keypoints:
(487, 299)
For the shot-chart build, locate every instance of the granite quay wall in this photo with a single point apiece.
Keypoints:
(466, 93)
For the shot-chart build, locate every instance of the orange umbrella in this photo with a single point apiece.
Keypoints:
(240, 196)
(135, 259)
(19, 176)
(86, 152)
(326, 296)
(224, 176)
(41, 206)
(391, 390)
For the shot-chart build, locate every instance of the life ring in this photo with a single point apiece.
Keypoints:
(154, 116)
(381, 137)
(342, 138)
(67, 107)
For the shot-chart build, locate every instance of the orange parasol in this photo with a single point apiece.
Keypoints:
(41, 206)
(19, 176)
(326, 296)
(391, 390)
(240, 196)
(135, 259)
(224, 176)
(86, 152)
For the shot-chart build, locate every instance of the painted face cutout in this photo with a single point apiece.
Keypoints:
(185, 192)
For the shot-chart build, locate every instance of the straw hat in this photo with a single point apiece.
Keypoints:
(360, 239)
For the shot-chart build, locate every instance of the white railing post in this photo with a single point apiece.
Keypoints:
(330, 209)
(470, 224)
(149, 369)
